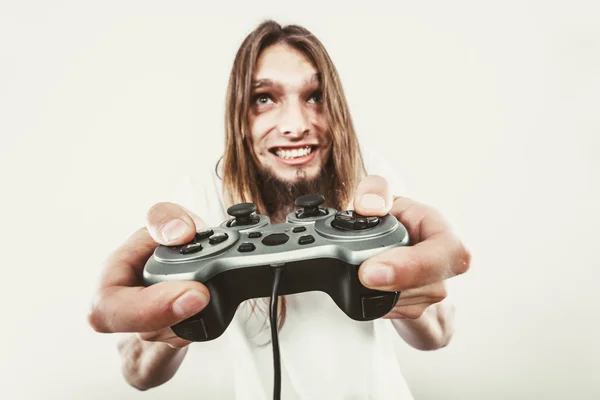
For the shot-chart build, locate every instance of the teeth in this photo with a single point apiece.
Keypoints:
(288, 154)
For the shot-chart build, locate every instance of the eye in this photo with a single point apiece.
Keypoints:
(316, 97)
(262, 98)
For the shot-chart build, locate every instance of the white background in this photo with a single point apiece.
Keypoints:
(489, 111)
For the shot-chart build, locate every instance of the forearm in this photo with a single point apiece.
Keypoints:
(432, 330)
(148, 364)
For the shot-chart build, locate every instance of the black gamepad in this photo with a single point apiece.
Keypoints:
(319, 248)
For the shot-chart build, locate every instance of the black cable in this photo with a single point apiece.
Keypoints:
(274, 337)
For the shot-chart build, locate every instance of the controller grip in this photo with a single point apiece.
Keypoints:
(336, 278)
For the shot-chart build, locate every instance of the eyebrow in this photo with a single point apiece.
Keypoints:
(260, 83)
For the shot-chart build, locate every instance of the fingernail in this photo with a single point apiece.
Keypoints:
(173, 230)
(371, 200)
(189, 303)
(378, 275)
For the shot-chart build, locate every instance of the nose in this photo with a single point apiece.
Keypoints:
(294, 120)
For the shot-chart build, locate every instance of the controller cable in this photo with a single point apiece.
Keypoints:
(275, 340)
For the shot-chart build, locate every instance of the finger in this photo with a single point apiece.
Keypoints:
(171, 224)
(410, 312)
(433, 292)
(436, 253)
(123, 267)
(393, 315)
(418, 300)
(437, 258)
(372, 196)
(153, 308)
(165, 336)
(198, 222)
(420, 220)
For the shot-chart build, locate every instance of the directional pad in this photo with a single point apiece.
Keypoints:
(352, 221)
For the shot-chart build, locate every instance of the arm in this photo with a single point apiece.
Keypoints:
(148, 364)
(431, 331)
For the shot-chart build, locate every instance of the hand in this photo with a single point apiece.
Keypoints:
(123, 304)
(418, 271)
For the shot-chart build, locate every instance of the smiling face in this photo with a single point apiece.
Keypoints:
(288, 129)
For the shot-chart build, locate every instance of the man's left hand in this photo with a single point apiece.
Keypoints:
(418, 271)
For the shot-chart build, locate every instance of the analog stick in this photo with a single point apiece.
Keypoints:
(310, 206)
(243, 214)
(352, 221)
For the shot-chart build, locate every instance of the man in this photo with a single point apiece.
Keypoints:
(288, 132)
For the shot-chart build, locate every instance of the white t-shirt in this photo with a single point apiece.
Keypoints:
(324, 353)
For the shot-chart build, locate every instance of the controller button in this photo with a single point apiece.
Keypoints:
(310, 200)
(254, 235)
(246, 247)
(243, 213)
(377, 306)
(299, 229)
(218, 238)
(306, 239)
(193, 330)
(275, 239)
(372, 221)
(205, 234)
(352, 221)
(310, 206)
(241, 209)
(190, 248)
(359, 225)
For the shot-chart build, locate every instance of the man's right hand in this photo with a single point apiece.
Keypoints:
(123, 304)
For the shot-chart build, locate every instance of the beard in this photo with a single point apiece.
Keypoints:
(279, 195)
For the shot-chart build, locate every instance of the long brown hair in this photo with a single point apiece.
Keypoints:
(240, 173)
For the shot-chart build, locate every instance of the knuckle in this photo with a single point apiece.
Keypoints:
(420, 273)
(414, 313)
(438, 299)
(380, 181)
(464, 258)
(95, 317)
(122, 344)
(177, 343)
(440, 293)
(147, 336)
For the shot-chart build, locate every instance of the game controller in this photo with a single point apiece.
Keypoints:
(319, 248)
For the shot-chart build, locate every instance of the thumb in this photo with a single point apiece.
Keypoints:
(171, 224)
(372, 196)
